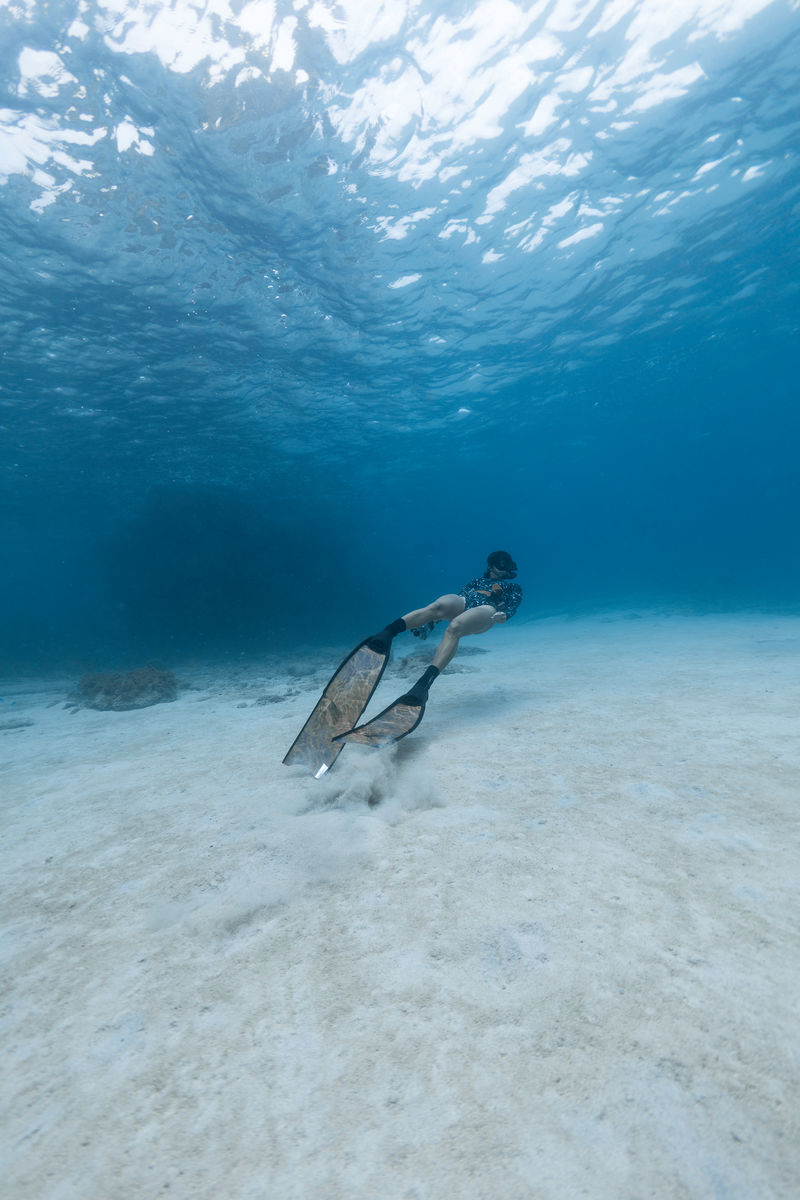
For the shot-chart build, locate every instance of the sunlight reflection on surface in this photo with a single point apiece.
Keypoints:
(353, 190)
(428, 87)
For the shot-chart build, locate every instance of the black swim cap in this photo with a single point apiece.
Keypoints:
(503, 561)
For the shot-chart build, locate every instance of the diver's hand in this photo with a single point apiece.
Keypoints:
(500, 618)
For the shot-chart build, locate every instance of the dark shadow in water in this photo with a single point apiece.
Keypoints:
(200, 568)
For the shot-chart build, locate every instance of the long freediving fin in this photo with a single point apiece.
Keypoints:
(341, 704)
(395, 722)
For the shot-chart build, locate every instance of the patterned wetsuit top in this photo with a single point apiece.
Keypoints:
(505, 599)
(503, 594)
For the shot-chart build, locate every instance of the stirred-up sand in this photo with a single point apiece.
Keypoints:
(545, 948)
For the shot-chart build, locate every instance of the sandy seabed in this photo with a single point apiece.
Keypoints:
(545, 948)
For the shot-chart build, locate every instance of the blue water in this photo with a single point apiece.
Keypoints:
(306, 307)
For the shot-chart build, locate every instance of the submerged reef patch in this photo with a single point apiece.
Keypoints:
(122, 690)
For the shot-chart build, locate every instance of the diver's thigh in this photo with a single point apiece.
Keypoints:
(473, 620)
(449, 606)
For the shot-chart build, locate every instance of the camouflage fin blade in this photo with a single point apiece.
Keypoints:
(394, 723)
(339, 708)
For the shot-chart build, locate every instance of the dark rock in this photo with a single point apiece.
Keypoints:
(122, 690)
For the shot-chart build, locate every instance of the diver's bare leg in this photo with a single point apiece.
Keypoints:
(443, 609)
(474, 620)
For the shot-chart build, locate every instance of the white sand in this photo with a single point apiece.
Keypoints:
(558, 959)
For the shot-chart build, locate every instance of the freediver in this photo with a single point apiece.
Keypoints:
(490, 599)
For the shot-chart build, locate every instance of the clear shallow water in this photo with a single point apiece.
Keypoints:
(305, 310)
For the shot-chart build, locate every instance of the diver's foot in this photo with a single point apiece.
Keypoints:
(382, 640)
(417, 696)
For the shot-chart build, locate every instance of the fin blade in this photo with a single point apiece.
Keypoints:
(346, 695)
(394, 723)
